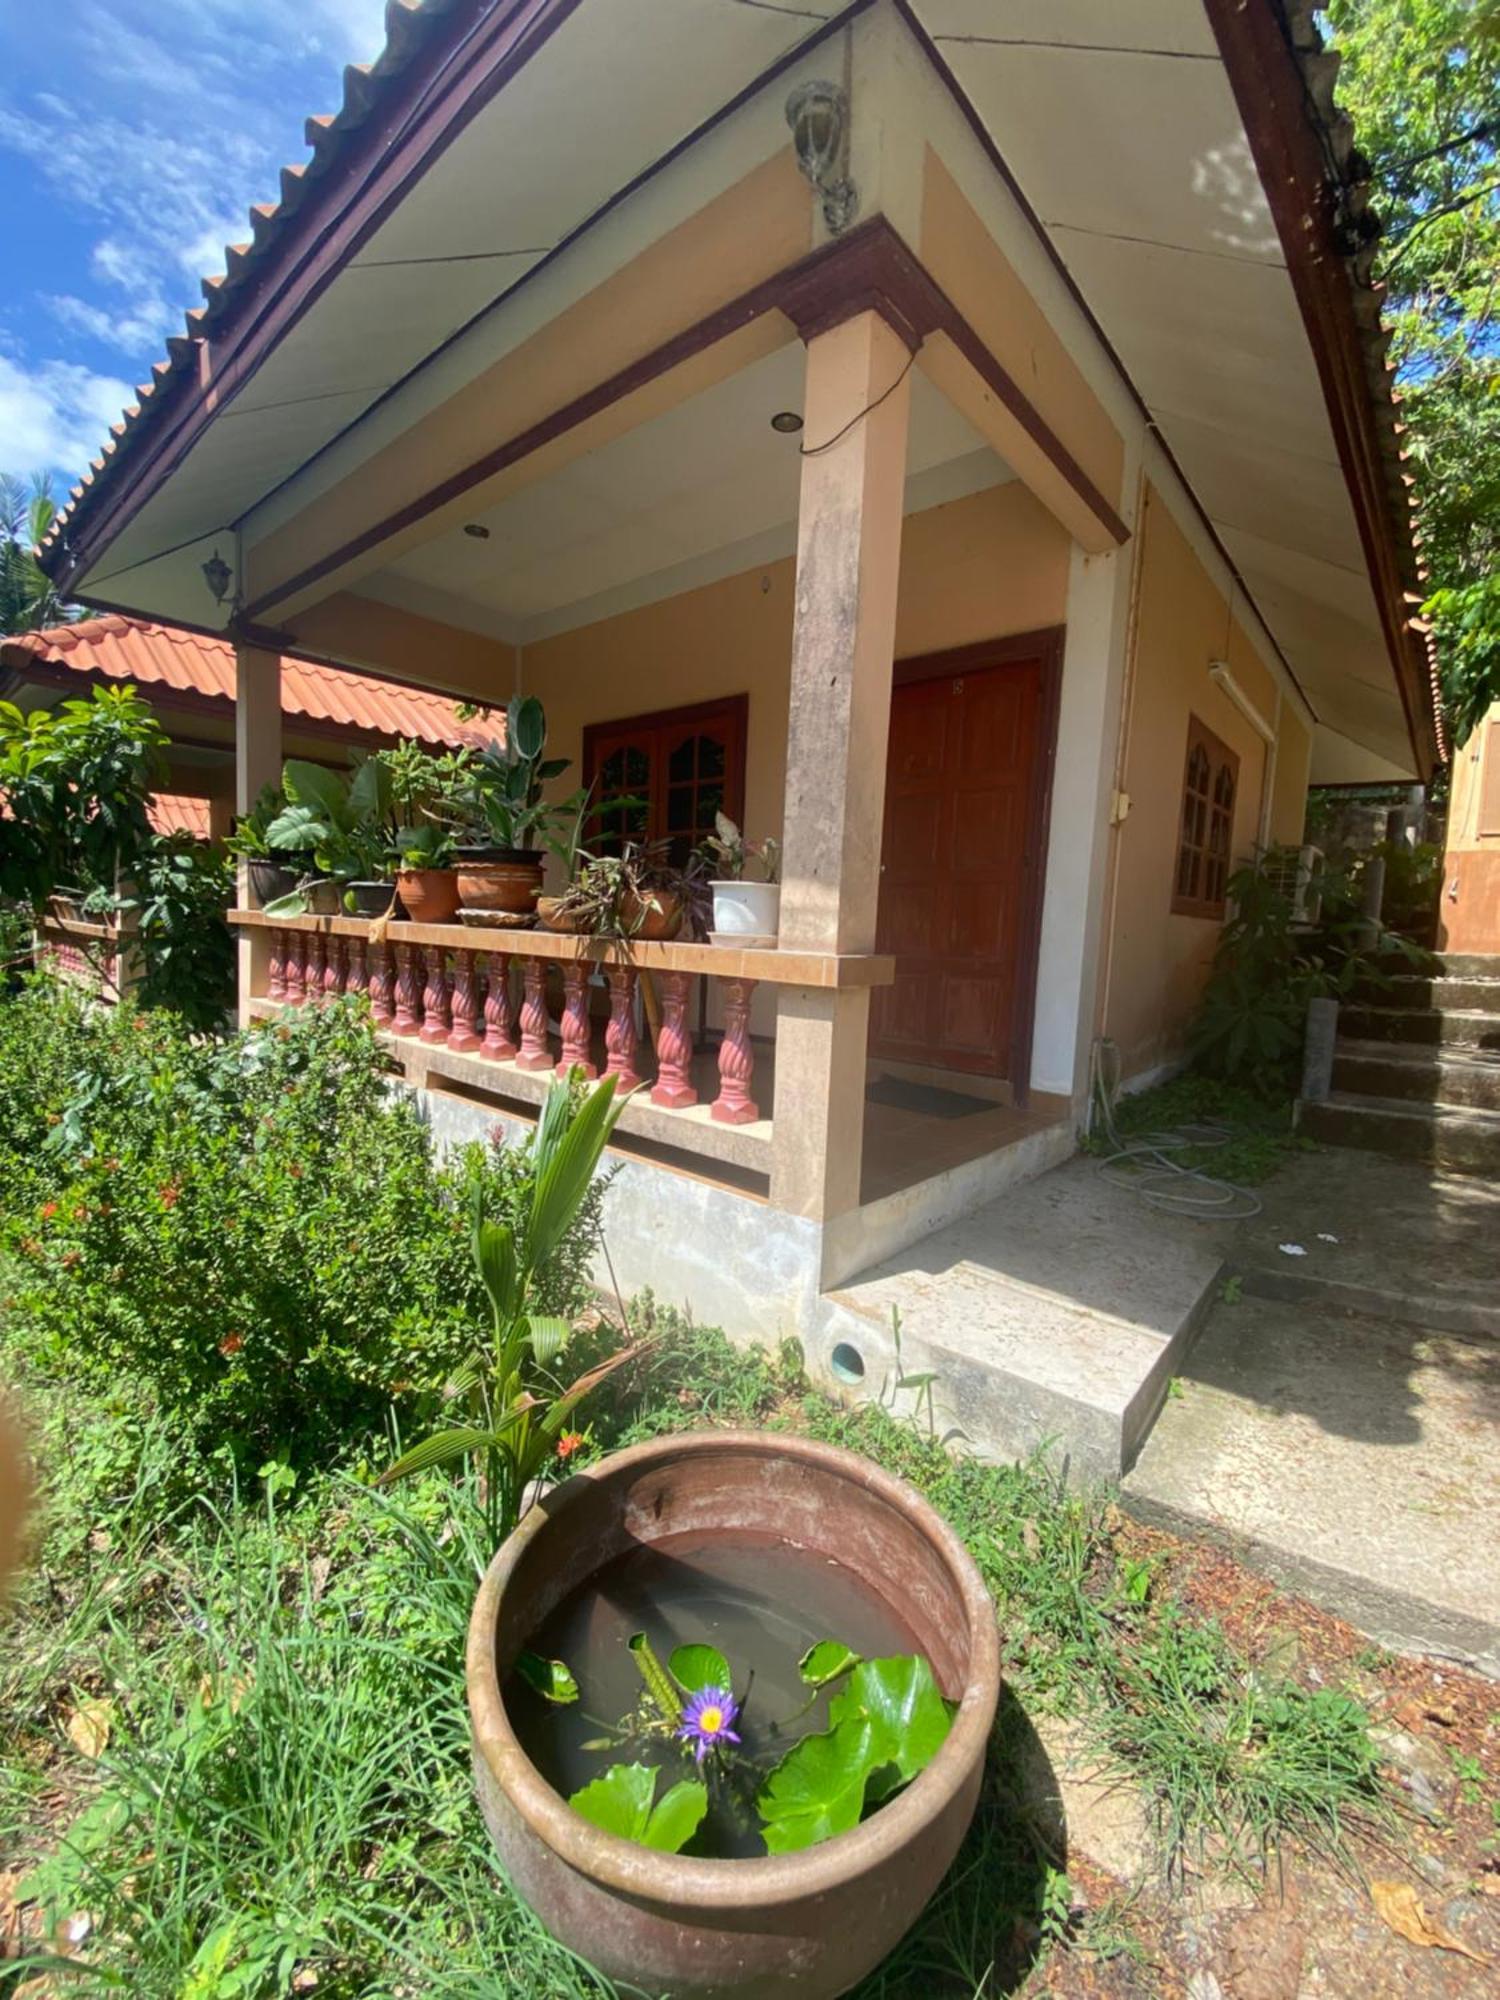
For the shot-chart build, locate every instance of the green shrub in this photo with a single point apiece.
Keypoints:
(257, 1227)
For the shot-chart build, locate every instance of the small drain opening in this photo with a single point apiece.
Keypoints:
(847, 1364)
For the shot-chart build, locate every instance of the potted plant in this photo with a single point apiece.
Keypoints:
(270, 878)
(766, 1825)
(632, 894)
(746, 911)
(504, 819)
(346, 826)
(426, 880)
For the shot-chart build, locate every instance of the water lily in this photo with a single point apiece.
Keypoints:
(708, 1719)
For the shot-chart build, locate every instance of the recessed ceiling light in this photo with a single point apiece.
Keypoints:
(786, 421)
(478, 530)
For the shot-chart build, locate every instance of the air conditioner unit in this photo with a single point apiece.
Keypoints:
(1298, 873)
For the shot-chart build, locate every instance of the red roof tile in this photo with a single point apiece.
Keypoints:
(175, 812)
(134, 649)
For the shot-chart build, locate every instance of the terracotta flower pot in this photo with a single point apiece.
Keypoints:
(512, 884)
(660, 914)
(808, 1924)
(551, 915)
(428, 895)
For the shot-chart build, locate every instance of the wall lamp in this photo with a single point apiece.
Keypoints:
(818, 114)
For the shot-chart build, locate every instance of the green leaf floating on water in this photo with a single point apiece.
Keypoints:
(550, 1678)
(624, 1801)
(695, 1667)
(824, 1662)
(885, 1726)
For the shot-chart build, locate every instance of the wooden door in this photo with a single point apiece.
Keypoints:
(681, 766)
(960, 866)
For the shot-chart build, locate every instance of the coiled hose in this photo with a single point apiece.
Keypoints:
(1145, 1164)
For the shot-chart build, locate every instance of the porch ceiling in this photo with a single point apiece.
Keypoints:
(704, 490)
(1162, 221)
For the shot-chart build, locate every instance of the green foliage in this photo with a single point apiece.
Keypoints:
(1231, 1131)
(695, 1667)
(624, 1802)
(182, 891)
(518, 1407)
(498, 797)
(257, 1226)
(1421, 79)
(28, 601)
(346, 824)
(75, 780)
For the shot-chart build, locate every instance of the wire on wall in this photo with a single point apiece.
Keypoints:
(815, 450)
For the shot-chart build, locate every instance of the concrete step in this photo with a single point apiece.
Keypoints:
(1449, 992)
(1462, 1140)
(1431, 1027)
(1418, 1075)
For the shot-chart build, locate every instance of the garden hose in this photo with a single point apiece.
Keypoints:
(1145, 1164)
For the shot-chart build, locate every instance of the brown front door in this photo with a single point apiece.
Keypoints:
(961, 862)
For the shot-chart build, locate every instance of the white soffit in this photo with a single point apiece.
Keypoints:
(605, 97)
(1117, 119)
(708, 475)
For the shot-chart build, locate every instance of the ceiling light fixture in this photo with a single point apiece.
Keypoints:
(478, 530)
(787, 422)
(218, 576)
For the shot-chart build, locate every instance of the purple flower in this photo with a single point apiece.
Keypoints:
(708, 1719)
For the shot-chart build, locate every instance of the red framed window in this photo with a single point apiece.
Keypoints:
(1206, 839)
(681, 765)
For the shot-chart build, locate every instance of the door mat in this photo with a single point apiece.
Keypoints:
(900, 1095)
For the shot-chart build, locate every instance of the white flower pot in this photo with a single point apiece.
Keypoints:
(746, 910)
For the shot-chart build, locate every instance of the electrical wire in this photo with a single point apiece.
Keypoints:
(814, 450)
(1145, 1164)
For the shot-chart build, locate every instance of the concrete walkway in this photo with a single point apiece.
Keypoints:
(1339, 1425)
(1054, 1315)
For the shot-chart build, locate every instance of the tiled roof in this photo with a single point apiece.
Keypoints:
(176, 812)
(134, 649)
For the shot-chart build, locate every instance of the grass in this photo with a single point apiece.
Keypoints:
(285, 1790)
(1259, 1132)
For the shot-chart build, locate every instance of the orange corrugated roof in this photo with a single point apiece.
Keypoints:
(176, 812)
(135, 649)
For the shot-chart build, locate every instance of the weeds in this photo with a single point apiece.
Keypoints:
(1258, 1135)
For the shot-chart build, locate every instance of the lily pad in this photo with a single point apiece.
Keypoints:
(551, 1678)
(909, 1718)
(624, 1802)
(697, 1667)
(817, 1790)
(826, 1661)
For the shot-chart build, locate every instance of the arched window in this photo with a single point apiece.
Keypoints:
(680, 766)
(1206, 838)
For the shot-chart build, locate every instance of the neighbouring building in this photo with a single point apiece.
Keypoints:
(957, 439)
(1469, 904)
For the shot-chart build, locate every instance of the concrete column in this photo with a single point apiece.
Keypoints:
(1078, 841)
(843, 643)
(257, 762)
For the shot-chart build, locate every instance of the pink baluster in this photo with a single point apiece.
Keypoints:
(575, 1019)
(499, 1017)
(734, 1105)
(382, 984)
(276, 968)
(333, 967)
(408, 1016)
(296, 968)
(356, 976)
(535, 1054)
(463, 1034)
(317, 961)
(435, 1018)
(673, 1088)
(620, 1035)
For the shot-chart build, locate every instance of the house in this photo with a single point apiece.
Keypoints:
(1469, 904)
(188, 678)
(955, 438)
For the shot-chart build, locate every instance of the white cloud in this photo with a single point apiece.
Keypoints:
(55, 416)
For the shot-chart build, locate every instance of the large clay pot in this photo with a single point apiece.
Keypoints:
(428, 895)
(660, 914)
(551, 915)
(512, 883)
(808, 1924)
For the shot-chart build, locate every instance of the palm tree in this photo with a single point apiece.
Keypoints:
(28, 599)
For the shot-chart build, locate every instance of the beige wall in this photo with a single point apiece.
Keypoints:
(991, 564)
(1158, 961)
(1294, 747)
(1469, 908)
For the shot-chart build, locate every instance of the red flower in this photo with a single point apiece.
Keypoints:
(231, 1344)
(569, 1442)
(49, 1209)
(169, 1194)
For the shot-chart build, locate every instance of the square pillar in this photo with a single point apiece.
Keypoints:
(855, 413)
(257, 762)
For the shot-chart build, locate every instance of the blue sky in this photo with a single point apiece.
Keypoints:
(134, 135)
